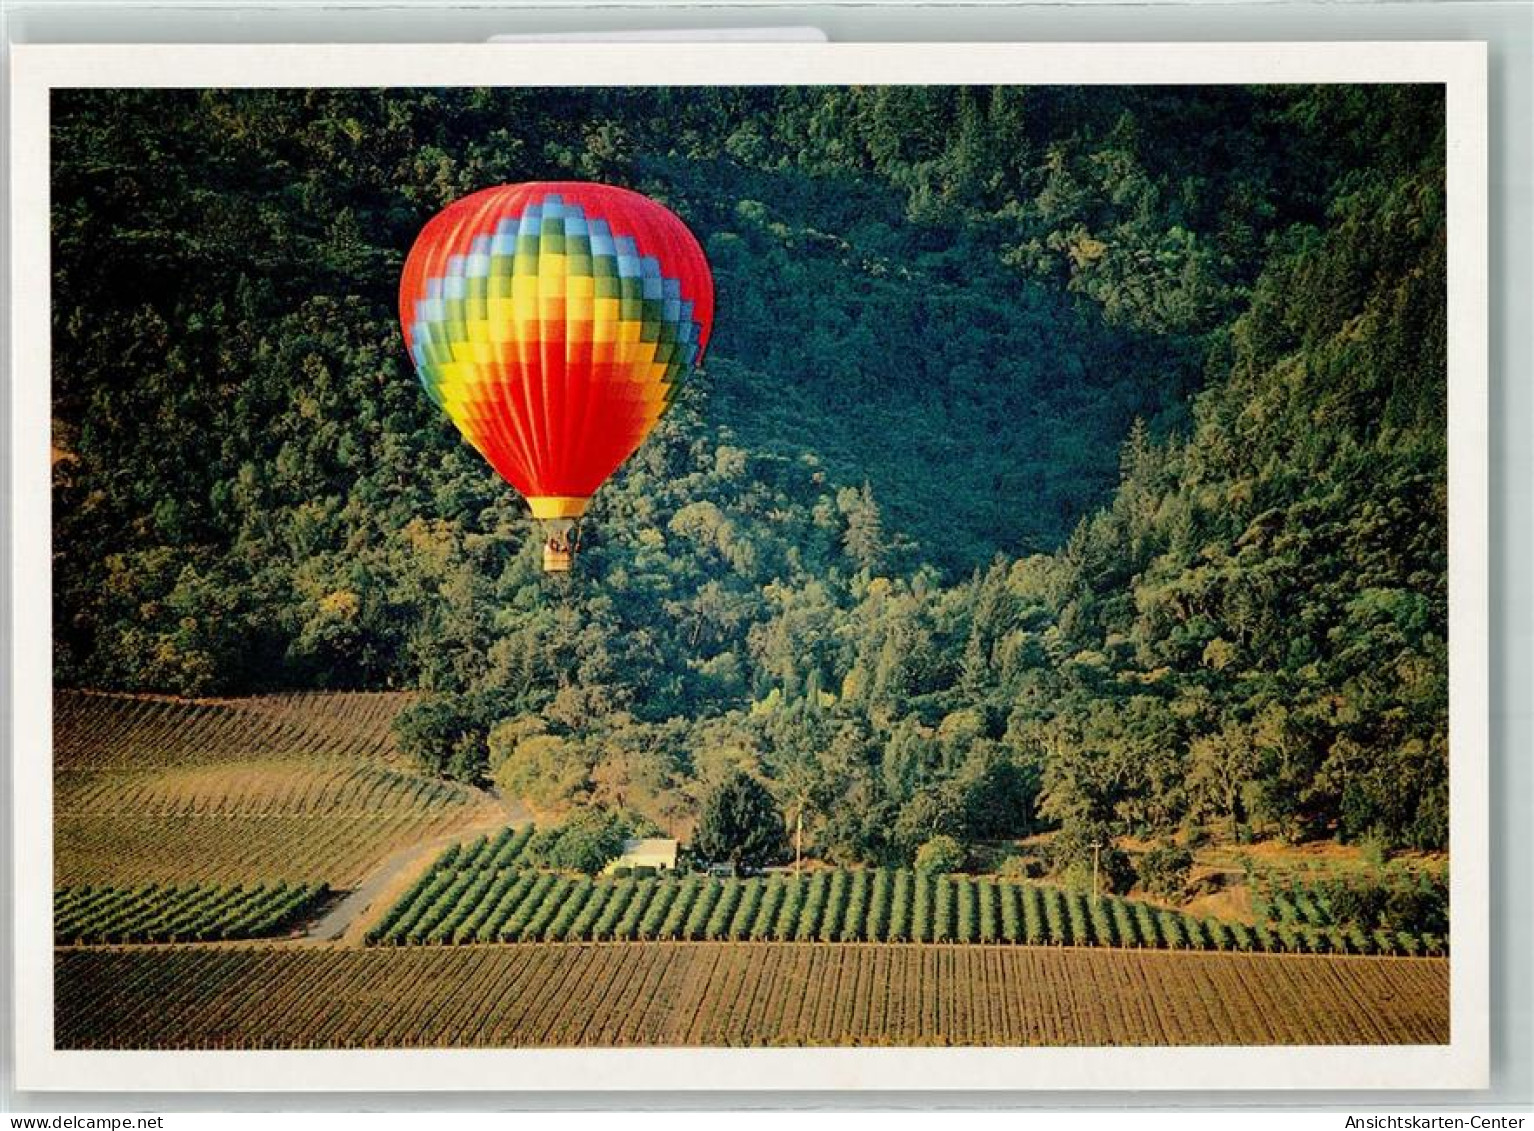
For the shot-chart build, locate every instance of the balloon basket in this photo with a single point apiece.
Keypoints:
(560, 537)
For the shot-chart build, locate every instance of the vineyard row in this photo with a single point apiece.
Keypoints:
(95, 730)
(188, 913)
(480, 895)
(719, 994)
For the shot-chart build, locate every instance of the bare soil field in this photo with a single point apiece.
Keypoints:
(722, 994)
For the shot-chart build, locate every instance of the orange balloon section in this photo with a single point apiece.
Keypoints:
(553, 322)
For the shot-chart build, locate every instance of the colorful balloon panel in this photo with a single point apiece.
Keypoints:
(553, 322)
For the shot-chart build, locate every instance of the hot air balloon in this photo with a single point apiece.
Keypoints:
(554, 322)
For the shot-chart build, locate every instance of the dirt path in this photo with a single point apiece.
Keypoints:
(349, 920)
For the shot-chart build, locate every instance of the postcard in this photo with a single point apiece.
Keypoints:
(739, 566)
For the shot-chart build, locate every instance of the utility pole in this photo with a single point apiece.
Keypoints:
(1097, 847)
(798, 836)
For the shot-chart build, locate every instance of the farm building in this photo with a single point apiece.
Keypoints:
(650, 852)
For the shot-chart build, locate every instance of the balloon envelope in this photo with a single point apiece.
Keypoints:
(553, 322)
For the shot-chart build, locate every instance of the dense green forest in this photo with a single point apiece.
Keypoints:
(1064, 457)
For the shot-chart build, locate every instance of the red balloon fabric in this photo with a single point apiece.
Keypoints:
(553, 322)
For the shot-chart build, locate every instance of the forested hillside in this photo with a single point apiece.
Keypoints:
(1063, 456)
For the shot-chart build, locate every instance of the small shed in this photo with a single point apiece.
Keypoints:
(650, 852)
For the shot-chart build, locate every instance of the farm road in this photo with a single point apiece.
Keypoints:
(348, 920)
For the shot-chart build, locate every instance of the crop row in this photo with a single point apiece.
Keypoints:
(255, 789)
(502, 903)
(720, 994)
(1414, 902)
(187, 913)
(97, 730)
(127, 850)
(451, 901)
(504, 850)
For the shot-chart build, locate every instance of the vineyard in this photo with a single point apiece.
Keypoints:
(721, 994)
(479, 894)
(1389, 899)
(257, 789)
(306, 788)
(191, 913)
(176, 820)
(98, 730)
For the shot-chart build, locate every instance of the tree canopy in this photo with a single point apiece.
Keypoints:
(740, 824)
